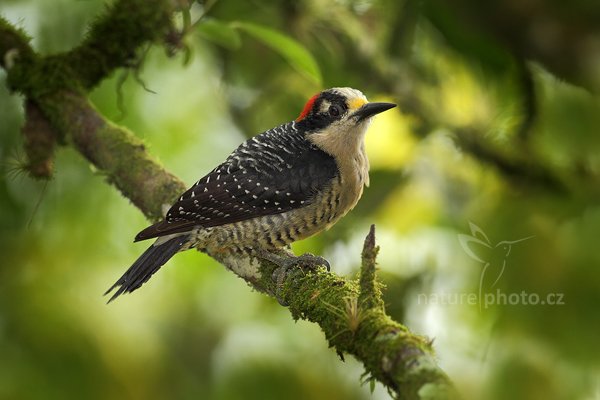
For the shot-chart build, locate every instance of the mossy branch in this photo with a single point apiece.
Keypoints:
(117, 153)
(370, 292)
(14, 44)
(353, 319)
(350, 312)
(116, 36)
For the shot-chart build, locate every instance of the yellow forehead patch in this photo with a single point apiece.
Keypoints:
(356, 103)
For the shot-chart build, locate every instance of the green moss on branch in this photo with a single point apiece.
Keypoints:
(14, 44)
(115, 37)
(353, 319)
(116, 152)
(370, 292)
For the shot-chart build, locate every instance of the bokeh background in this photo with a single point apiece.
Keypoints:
(496, 139)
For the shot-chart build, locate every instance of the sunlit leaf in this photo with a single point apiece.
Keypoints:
(293, 52)
(219, 33)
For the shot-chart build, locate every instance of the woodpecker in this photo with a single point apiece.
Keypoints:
(285, 184)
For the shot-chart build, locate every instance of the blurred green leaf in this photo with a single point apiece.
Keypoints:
(219, 33)
(187, 18)
(293, 52)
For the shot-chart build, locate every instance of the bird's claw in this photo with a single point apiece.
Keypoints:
(305, 261)
(285, 264)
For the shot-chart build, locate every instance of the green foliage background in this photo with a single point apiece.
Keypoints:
(475, 97)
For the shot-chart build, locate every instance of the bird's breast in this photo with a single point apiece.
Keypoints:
(354, 176)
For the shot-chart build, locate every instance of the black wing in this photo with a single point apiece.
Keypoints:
(274, 172)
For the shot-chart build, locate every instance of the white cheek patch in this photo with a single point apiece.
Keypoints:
(324, 107)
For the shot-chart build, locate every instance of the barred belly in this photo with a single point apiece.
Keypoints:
(235, 244)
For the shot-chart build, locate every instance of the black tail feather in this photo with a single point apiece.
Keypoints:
(146, 265)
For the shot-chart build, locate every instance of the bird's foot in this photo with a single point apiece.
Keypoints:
(287, 263)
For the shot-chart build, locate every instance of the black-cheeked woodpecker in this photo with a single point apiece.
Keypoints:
(283, 185)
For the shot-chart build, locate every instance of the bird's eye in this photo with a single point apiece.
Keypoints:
(335, 110)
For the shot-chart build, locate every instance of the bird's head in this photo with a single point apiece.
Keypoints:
(337, 119)
(341, 108)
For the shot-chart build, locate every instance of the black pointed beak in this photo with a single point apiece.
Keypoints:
(370, 109)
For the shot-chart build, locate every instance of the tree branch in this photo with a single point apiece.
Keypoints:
(118, 154)
(14, 43)
(370, 292)
(40, 140)
(114, 38)
(350, 313)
